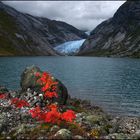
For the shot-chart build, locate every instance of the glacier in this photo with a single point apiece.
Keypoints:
(88, 33)
(70, 47)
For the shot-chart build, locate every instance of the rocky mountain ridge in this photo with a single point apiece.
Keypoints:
(23, 34)
(118, 36)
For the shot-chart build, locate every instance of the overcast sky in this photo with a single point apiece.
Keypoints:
(84, 15)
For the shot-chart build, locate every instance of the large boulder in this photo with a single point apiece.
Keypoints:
(32, 88)
(28, 78)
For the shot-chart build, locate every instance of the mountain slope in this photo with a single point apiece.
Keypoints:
(117, 36)
(23, 34)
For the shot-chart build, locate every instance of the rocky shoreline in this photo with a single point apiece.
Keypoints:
(91, 122)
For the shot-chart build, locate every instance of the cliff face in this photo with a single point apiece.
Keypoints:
(117, 36)
(23, 34)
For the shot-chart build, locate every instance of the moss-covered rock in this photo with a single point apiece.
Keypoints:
(95, 119)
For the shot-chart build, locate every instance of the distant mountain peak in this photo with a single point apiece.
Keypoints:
(119, 36)
(24, 34)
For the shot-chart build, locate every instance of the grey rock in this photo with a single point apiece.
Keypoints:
(95, 119)
(128, 125)
(118, 136)
(35, 93)
(3, 119)
(63, 134)
(136, 135)
(8, 138)
(41, 138)
(20, 129)
(28, 78)
(30, 86)
(78, 137)
(81, 117)
(14, 93)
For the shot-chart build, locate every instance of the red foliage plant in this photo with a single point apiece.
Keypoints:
(51, 113)
(19, 103)
(69, 115)
(49, 87)
(2, 96)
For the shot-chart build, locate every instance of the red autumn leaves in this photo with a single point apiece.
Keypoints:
(2, 95)
(15, 101)
(49, 86)
(19, 103)
(51, 113)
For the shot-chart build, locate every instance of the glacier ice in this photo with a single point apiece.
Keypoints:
(70, 47)
(88, 33)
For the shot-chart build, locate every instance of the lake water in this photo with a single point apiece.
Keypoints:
(113, 83)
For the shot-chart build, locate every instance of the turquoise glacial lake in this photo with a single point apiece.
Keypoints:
(112, 83)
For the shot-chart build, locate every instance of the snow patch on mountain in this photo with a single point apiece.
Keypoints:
(70, 47)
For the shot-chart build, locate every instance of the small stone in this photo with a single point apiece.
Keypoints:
(20, 129)
(8, 138)
(35, 93)
(38, 104)
(132, 131)
(40, 95)
(27, 97)
(28, 89)
(131, 121)
(35, 97)
(78, 137)
(117, 117)
(43, 130)
(53, 78)
(29, 101)
(63, 134)
(40, 138)
(113, 137)
(106, 137)
(117, 136)
(133, 128)
(29, 94)
(136, 135)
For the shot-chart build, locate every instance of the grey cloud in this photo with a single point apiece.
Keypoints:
(81, 14)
